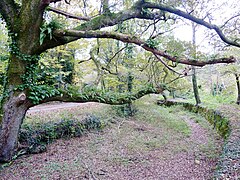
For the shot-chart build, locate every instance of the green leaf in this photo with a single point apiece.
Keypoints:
(42, 37)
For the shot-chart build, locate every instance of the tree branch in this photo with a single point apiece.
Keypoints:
(107, 97)
(68, 15)
(139, 42)
(165, 64)
(136, 11)
(101, 21)
(191, 18)
(109, 71)
(230, 20)
(45, 3)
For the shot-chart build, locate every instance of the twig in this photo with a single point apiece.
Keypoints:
(165, 64)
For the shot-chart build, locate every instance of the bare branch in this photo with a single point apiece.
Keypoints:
(67, 1)
(120, 50)
(230, 20)
(165, 64)
(68, 15)
(191, 18)
(109, 71)
(139, 42)
(45, 3)
(82, 61)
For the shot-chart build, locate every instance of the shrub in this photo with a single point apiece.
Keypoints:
(34, 137)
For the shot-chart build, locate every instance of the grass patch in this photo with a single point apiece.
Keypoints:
(214, 102)
(165, 117)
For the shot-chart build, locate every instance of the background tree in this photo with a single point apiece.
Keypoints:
(233, 70)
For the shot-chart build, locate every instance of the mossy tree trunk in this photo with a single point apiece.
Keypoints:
(195, 86)
(14, 108)
(24, 31)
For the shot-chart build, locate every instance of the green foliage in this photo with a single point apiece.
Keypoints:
(40, 92)
(93, 122)
(57, 66)
(126, 110)
(14, 49)
(48, 28)
(33, 79)
(4, 54)
(152, 43)
(37, 92)
(145, 11)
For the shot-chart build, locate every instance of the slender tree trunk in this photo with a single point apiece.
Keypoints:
(194, 77)
(195, 86)
(238, 88)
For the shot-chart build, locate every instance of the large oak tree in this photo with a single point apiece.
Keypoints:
(25, 21)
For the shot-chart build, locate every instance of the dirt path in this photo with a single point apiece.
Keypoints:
(128, 149)
(59, 106)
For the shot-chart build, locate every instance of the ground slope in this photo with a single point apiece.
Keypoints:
(157, 143)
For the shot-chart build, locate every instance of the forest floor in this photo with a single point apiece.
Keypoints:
(157, 143)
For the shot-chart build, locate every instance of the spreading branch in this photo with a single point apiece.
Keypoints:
(136, 11)
(107, 98)
(102, 21)
(133, 39)
(68, 15)
(231, 18)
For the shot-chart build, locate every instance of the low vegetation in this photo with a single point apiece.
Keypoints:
(154, 137)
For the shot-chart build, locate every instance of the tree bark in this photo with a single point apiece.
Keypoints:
(13, 107)
(195, 86)
(24, 30)
(238, 88)
(14, 110)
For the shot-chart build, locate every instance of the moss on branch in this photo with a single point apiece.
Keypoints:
(95, 95)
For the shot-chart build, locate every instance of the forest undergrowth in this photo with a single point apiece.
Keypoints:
(155, 143)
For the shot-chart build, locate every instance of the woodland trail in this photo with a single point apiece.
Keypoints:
(58, 106)
(129, 149)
